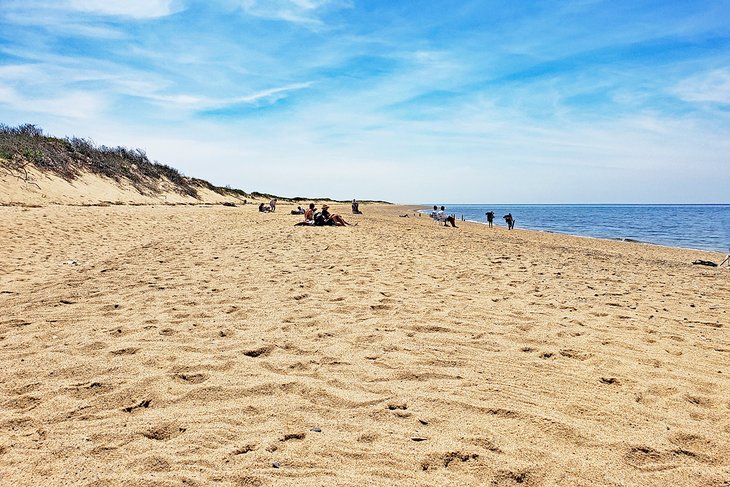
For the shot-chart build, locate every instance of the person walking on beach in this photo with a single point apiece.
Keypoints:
(510, 221)
(490, 218)
(272, 205)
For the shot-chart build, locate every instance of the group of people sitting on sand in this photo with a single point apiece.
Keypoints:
(440, 216)
(322, 218)
(268, 209)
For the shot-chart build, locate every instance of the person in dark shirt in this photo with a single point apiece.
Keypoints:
(510, 221)
(330, 218)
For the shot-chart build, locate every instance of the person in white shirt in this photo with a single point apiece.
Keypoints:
(443, 217)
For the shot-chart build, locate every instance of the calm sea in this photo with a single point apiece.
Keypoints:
(705, 227)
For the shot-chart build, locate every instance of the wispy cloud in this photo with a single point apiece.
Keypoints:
(193, 102)
(112, 83)
(84, 18)
(137, 9)
(549, 98)
(709, 87)
(306, 12)
(78, 105)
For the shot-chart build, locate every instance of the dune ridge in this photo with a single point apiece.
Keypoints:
(40, 170)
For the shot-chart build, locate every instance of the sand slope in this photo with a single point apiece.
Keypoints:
(43, 188)
(197, 346)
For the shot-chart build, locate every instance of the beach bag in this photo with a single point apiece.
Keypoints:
(319, 219)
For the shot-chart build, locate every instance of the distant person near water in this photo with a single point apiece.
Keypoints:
(490, 218)
(510, 221)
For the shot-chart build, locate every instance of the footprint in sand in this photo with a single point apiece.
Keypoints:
(245, 449)
(164, 432)
(443, 460)
(191, 378)
(125, 351)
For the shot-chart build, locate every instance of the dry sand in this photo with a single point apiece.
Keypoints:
(218, 346)
(43, 188)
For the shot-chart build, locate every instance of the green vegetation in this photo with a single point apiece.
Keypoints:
(70, 157)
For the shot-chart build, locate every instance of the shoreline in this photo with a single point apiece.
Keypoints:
(615, 239)
(426, 210)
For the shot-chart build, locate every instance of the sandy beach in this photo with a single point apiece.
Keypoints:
(211, 345)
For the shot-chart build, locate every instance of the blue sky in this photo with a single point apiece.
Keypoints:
(583, 101)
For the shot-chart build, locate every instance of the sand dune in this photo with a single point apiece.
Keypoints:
(42, 188)
(211, 345)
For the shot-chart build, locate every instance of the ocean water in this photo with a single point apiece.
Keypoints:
(704, 227)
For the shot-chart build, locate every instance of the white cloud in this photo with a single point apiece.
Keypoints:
(50, 80)
(72, 105)
(76, 18)
(59, 24)
(67, 16)
(206, 103)
(138, 9)
(304, 12)
(710, 87)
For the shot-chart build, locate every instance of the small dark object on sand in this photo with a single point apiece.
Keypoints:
(228, 203)
(316, 430)
(276, 465)
(423, 421)
(705, 262)
(418, 438)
